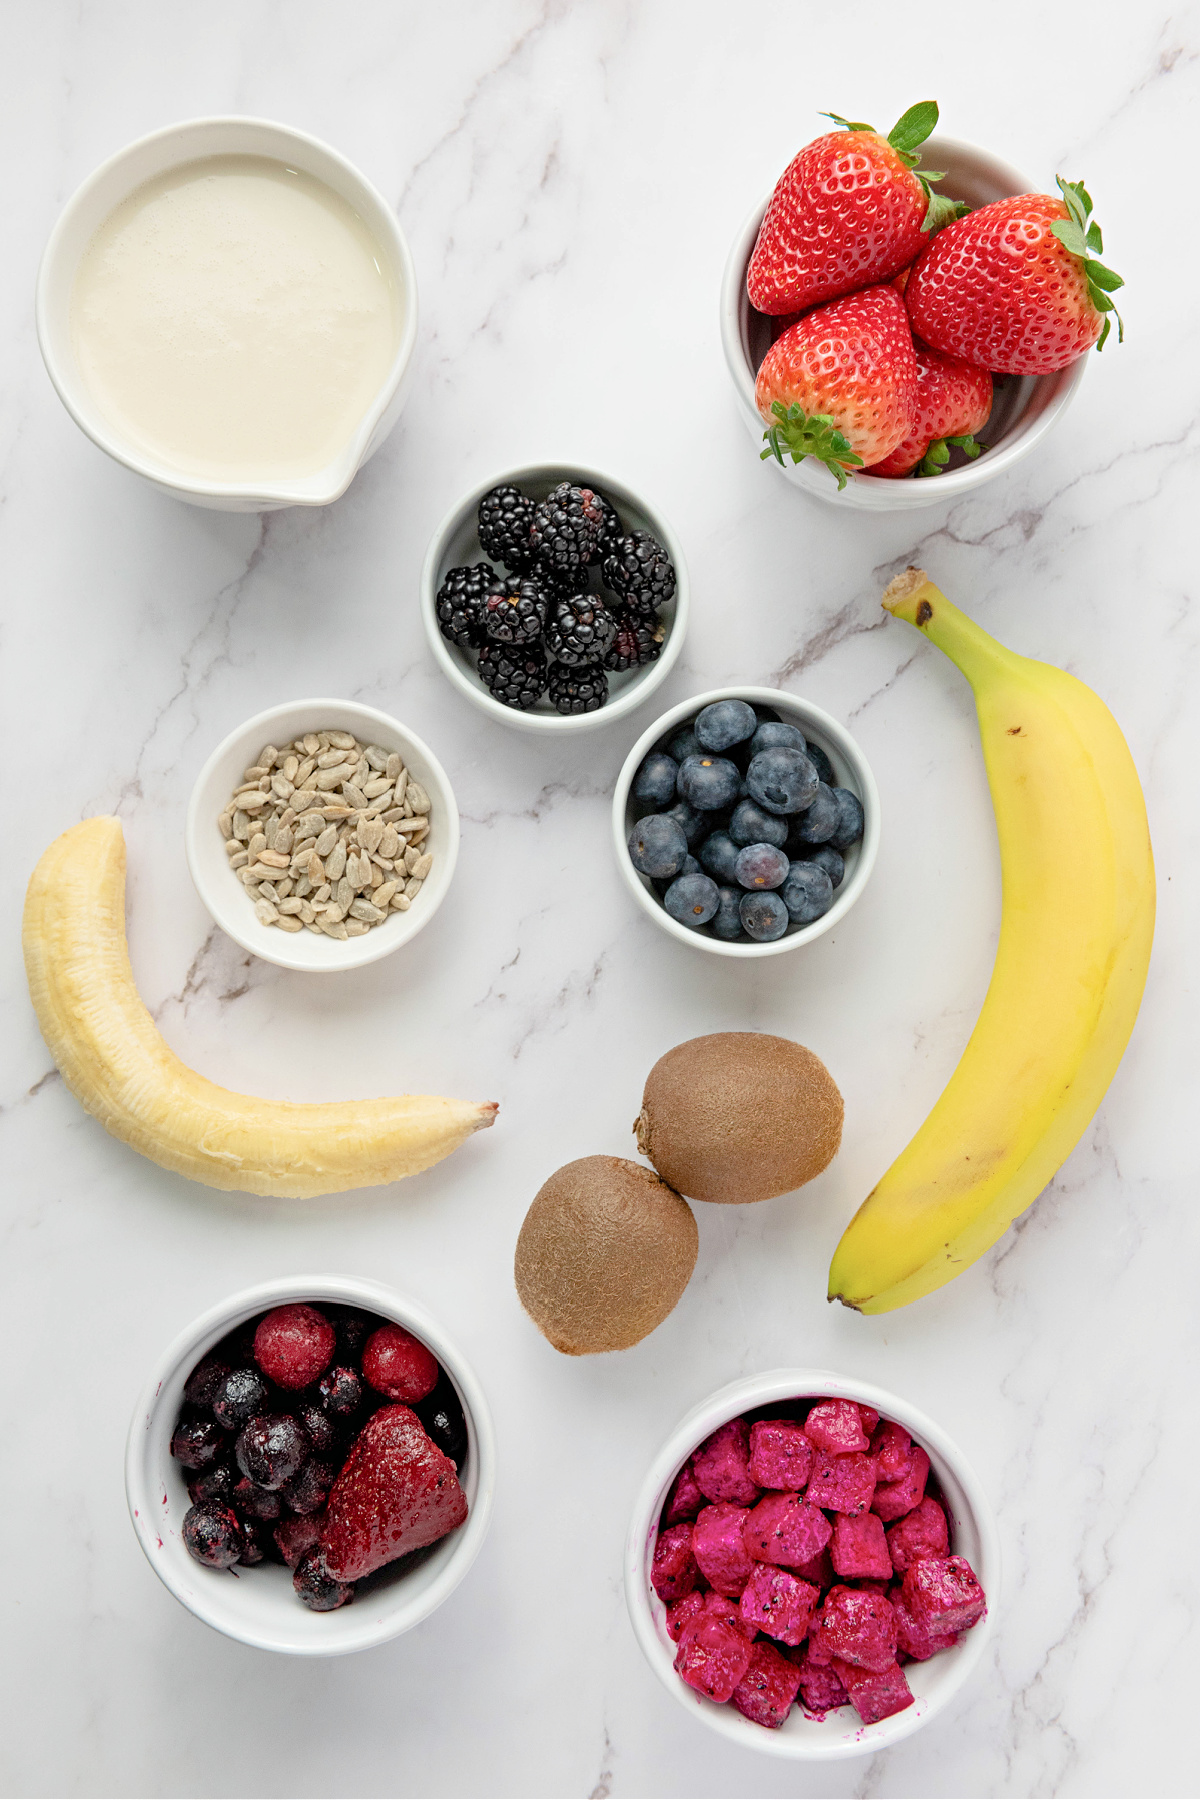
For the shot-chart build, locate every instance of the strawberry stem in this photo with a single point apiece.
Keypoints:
(1080, 234)
(804, 434)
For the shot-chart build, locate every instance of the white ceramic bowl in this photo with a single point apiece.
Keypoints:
(850, 766)
(1025, 407)
(456, 542)
(112, 183)
(259, 1606)
(223, 894)
(973, 1534)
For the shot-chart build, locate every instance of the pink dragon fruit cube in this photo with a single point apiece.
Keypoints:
(690, 1607)
(785, 1529)
(685, 1498)
(843, 1484)
(895, 1498)
(821, 1689)
(922, 1532)
(673, 1573)
(721, 1465)
(915, 1640)
(875, 1693)
(859, 1549)
(892, 1451)
(818, 1569)
(719, 1548)
(835, 1426)
(780, 1454)
(712, 1657)
(942, 1594)
(767, 1689)
(858, 1627)
(869, 1417)
(779, 1603)
(720, 1606)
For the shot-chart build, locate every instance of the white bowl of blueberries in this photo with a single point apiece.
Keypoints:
(554, 598)
(746, 821)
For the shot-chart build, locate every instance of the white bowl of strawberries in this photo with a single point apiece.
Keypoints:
(884, 324)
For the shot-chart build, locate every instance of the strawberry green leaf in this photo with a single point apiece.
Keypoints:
(914, 127)
(1080, 235)
(1104, 334)
(1094, 240)
(847, 124)
(941, 209)
(1099, 276)
(938, 453)
(1069, 234)
(801, 434)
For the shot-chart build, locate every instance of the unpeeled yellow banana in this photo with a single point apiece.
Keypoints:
(1077, 923)
(115, 1062)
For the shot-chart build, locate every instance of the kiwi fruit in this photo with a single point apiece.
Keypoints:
(604, 1254)
(739, 1116)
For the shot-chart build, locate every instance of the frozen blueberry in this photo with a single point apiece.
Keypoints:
(819, 821)
(215, 1483)
(782, 780)
(654, 783)
(212, 1535)
(774, 735)
(764, 917)
(829, 859)
(252, 1502)
(727, 920)
(822, 764)
(205, 1380)
(709, 782)
(751, 825)
(317, 1588)
(197, 1443)
(271, 1449)
(718, 854)
(760, 866)
(254, 1543)
(441, 1414)
(849, 827)
(308, 1491)
(725, 723)
(657, 846)
(807, 892)
(352, 1329)
(693, 900)
(685, 745)
(341, 1392)
(321, 1427)
(242, 1393)
(693, 824)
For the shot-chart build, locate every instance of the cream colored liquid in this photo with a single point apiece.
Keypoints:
(235, 319)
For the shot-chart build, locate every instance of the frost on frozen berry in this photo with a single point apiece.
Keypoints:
(241, 1394)
(293, 1344)
(341, 1391)
(398, 1365)
(251, 1501)
(308, 1491)
(396, 1493)
(271, 1448)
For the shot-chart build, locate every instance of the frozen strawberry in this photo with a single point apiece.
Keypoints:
(892, 1499)
(858, 1627)
(922, 1532)
(891, 1451)
(722, 1465)
(767, 1689)
(397, 1364)
(780, 1454)
(712, 1657)
(954, 401)
(821, 1688)
(942, 1594)
(295, 1537)
(779, 1603)
(836, 1427)
(685, 1498)
(785, 1529)
(719, 1548)
(674, 1573)
(690, 1607)
(875, 1693)
(293, 1345)
(859, 1548)
(914, 1640)
(720, 1606)
(843, 1484)
(396, 1493)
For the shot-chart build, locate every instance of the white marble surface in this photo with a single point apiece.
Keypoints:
(570, 176)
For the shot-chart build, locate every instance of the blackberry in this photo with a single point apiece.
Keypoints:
(578, 690)
(579, 631)
(461, 600)
(637, 643)
(505, 516)
(515, 610)
(612, 530)
(641, 572)
(567, 527)
(514, 677)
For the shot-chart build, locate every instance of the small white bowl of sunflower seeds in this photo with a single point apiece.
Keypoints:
(322, 835)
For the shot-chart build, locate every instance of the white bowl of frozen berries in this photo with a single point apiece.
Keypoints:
(812, 1568)
(310, 1468)
(555, 598)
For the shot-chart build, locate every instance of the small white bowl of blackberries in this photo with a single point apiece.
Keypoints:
(746, 822)
(555, 598)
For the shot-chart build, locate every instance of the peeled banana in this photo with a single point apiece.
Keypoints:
(1077, 923)
(115, 1062)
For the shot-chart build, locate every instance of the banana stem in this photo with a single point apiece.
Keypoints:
(914, 598)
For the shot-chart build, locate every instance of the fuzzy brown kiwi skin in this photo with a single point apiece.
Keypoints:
(739, 1116)
(604, 1255)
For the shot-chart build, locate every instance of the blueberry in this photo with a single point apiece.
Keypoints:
(308, 1491)
(709, 782)
(820, 820)
(693, 900)
(654, 783)
(197, 1443)
(761, 866)
(693, 824)
(441, 1414)
(751, 825)
(764, 917)
(242, 1393)
(691, 866)
(725, 723)
(321, 1428)
(685, 745)
(317, 1588)
(205, 1380)
(807, 892)
(353, 1328)
(252, 1502)
(271, 1449)
(341, 1392)
(782, 780)
(727, 920)
(212, 1535)
(850, 823)
(829, 859)
(774, 735)
(657, 846)
(718, 854)
(822, 764)
(214, 1483)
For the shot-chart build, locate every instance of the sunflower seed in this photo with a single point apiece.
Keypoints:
(303, 798)
(264, 912)
(400, 902)
(268, 756)
(267, 890)
(423, 867)
(335, 863)
(225, 824)
(311, 743)
(342, 740)
(288, 924)
(239, 860)
(333, 931)
(420, 799)
(412, 887)
(363, 909)
(382, 895)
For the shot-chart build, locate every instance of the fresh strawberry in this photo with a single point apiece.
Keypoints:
(954, 399)
(1017, 286)
(396, 1493)
(848, 211)
(841, 383)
